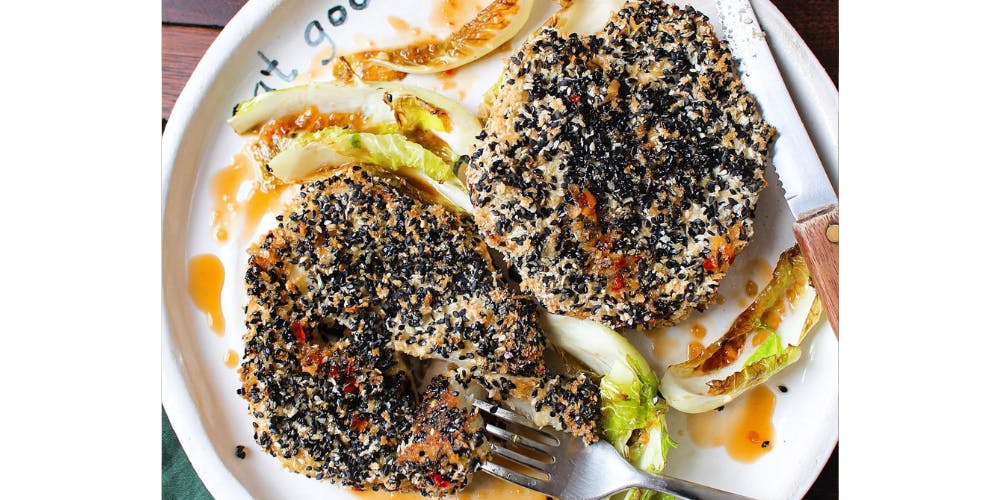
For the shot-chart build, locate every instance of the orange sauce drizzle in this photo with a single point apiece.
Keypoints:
(698, 330)
(744, 426)
(772, 317)
(452, 14)
(397, 23)
(695, 349)
(447, 79)
(205, 278)
(347, 68)
(761, 268)
(482, 487)
(485, 486)
(310, 119)
(241, 198)
(760, 337)
(232, 359)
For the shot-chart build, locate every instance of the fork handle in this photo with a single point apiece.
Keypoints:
(681, 488)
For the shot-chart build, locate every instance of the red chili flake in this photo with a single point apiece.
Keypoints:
(618, 283)
(709, 263)
(312, 358)
(349, 369)
(359, 424)
(439, 481)
(585, 199)
(300, 334)
(574, 98)
(334, 372)
(350, 387)
(626, 261)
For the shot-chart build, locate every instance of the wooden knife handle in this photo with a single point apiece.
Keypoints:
(818, 234)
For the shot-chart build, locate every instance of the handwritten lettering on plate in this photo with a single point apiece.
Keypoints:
(314, 34)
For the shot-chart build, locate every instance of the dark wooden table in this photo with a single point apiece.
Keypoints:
(190, 26)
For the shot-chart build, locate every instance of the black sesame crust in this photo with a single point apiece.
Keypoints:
(357, 244)
(329, 411)
(618, 172)
(359, 272)
(565, 403)
(447, 442)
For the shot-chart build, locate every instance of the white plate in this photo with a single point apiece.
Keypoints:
(199, 391)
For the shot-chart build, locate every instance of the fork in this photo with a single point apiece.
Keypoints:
(572, 470)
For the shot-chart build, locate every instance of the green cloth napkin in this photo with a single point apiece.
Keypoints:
(178, 477)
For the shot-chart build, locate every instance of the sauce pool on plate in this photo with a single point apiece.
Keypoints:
(482, 487)
(232, 359)
(695, 349)
(241, 198)
(397, 23)
(698, 331)
(452, 14)
(205, 278)
(744, 426)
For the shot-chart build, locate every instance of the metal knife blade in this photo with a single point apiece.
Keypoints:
(806, 186)
(803, 179)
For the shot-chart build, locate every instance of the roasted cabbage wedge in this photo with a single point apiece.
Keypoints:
(327, 97)
(411, 131)
(497, 23)
(762, 341)
(434, 112)
(335, 146)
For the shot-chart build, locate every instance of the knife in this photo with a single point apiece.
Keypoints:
(807, 188)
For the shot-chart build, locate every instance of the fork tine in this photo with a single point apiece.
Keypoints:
(500, 412)
(520, 459)
(505, 414)
(512, 476)
(518, 439)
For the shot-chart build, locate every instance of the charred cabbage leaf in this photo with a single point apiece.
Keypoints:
(762, 341)
(327, 97)
(336, 146)
(497, 23)
(312, 154)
